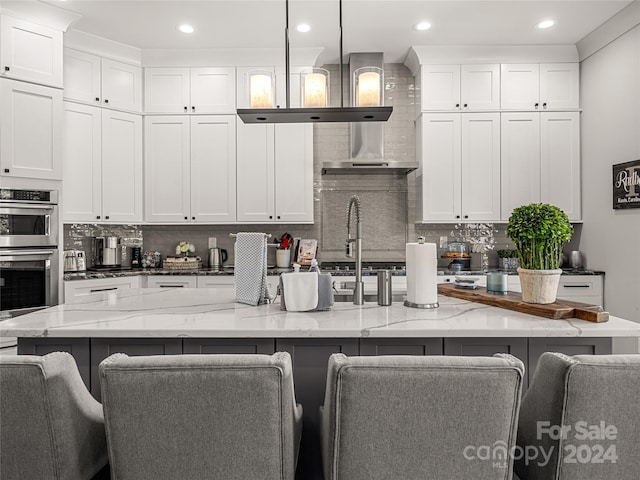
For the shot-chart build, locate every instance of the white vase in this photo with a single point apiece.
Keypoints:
(539, 286)
(283, 258)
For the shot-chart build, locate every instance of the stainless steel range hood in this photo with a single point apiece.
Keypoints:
(367, 139)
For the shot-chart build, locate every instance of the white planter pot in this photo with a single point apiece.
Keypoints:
(539, 286)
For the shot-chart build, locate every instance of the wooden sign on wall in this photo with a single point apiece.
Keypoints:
(626, 185)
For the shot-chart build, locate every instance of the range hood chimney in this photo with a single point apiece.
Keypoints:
(366, 144)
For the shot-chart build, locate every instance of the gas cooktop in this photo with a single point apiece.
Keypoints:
(351, 266)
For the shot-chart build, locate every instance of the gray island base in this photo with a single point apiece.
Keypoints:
(180, 321)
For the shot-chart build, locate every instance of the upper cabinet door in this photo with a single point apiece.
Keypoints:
(480, 87)
(520, 160)
(559, 86)
(294, 173)
(121, 86)
(167, 90)
(440, 87)
(213, 90)
(30, 52)
(520, 86)
(213, 168)
(560, 161)
(81, 76)
(31, 135)
(121, 166)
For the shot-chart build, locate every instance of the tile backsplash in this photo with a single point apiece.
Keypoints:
(388, 201)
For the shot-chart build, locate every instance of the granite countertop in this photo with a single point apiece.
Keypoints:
(229, 271)
(213, 313)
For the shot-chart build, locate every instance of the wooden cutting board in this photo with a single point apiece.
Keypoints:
(513, 301)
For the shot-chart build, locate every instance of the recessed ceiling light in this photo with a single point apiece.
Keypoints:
(185, 28)
(422, 26)
(303, 28)
(546, 24)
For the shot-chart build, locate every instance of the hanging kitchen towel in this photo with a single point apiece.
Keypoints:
(251, 268)
(301, 292)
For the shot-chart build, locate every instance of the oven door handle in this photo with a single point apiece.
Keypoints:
(15, 208)
(9, 254)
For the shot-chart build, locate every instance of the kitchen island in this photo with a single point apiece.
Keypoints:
(156, 321)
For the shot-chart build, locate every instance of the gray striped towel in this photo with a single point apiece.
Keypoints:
(251, 268)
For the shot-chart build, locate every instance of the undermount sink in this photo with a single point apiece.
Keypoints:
(369, 298)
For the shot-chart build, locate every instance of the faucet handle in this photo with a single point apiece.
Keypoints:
(349, 248)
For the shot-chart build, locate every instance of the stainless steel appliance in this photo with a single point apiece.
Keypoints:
(74, 261)
(29, 263)
(217, 257)
(107, 251)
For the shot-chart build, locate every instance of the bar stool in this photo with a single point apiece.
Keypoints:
(201, 416)
(50, 425)
(409, 417)
(580, 419)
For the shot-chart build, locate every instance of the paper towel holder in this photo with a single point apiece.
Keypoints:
(407, 303)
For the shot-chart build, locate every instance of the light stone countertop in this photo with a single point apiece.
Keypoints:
(212, 313)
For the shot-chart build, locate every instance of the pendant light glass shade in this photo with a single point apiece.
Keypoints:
(368, 85)
(261, 88)
(314, 88)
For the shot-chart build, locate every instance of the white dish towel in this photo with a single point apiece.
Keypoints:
(251, 268)
(301, 289)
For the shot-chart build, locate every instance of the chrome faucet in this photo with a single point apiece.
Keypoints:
(358, 289)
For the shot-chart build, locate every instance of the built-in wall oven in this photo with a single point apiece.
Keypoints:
(29, 257)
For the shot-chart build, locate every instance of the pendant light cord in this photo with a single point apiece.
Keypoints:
(340, 60)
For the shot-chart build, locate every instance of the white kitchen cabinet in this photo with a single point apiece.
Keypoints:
(460, 87)
(541, 161)
(78, 291)
(101, 81)
(102, 165)
(242, 85)
(172, 281)
(30, 52)
(30, 130)
(547, 86)
(190, 169)
(582, 288)
(225, 282)
(275, 173)
(210, 90)
(459, 175)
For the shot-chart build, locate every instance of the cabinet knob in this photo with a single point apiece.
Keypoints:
(6, 170)
(270, 217)
(465, 105)
(106, 217)
(535, 106)
(97, 99)
(457, 216)
(193, 218)
(106, 100)
(193, 108)
(544, 105)
(185, 108)
(457, 105)
(97, 217)
(278, 217)
(186, 218)
(6, 69)
(466, 216)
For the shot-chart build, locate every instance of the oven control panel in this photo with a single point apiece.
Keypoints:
(39, 196)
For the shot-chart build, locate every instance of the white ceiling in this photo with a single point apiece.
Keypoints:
(368, 25)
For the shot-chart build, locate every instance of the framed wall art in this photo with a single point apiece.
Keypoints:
(626, 185)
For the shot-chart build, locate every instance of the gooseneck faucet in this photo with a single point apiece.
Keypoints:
(358, 289)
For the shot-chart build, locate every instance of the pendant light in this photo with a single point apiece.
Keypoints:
(366, 109)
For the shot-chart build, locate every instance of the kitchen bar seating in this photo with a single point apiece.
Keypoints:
(580, 419)
(50, 425)
(411, 418)
(201, 416)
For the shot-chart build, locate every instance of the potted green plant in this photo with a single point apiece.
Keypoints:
(539, 232)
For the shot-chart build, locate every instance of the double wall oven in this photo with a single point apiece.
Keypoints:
(29, 259)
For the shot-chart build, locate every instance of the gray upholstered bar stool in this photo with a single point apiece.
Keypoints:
(50, 425)
(201, 416)
(410, 418)
(580, 419)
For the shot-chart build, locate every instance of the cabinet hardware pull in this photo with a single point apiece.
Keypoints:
(457, 105)
(97, 217)
(536, 105)
(465, 105)
(544, 105)
(185, 108)
(193, 218)
(457, 216)
(97, 99)
(107, 217)
(102, 289)
(171, 286)
(270, 217)
(466, 216)
(576, 286)
(193, 108)
(6, 69)
(186, 218)
(106, 100)
(6, 170)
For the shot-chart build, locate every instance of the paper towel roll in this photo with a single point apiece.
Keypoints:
(422, 284)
